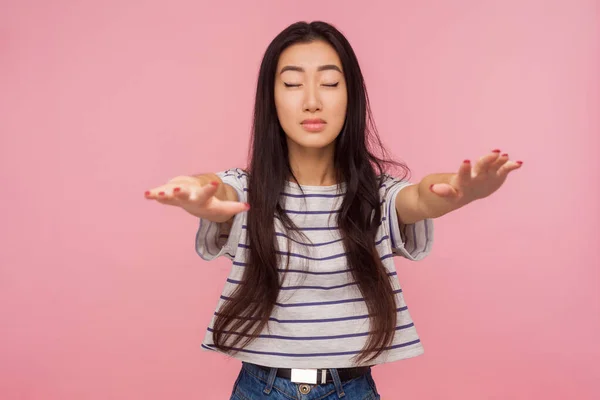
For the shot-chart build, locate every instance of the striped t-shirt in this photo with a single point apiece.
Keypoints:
(320, 319)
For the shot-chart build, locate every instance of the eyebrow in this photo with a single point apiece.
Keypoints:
(321, 68)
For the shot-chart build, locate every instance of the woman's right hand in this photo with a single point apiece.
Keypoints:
(197, 196)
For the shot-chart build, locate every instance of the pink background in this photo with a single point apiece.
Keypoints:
(101, 293)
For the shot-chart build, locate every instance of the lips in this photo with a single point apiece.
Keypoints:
(313, 125)
(313, 121)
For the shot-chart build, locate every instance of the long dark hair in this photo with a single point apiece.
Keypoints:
(360, 161)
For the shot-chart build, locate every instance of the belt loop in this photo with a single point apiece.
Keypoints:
(270, 380)
(337, 382)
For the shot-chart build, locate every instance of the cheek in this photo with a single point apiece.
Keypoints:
(342, 108)
(285, 110)
(339, 107)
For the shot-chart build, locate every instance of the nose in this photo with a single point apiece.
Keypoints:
(312, 101)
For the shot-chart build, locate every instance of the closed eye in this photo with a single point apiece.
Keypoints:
(298, 85)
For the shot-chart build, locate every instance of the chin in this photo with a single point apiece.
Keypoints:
(313, 141)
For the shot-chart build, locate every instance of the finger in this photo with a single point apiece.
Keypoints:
(508, 167)
(464, 173)
(483, 164)
(157, 192)
(174, 195)
(168, 188)
(500, 161)
(186, 190)
(165, 194)
(201, 194)
(182, 191)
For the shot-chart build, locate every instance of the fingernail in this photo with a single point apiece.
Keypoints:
(519, 162)
(467, 161)
(214, 183)
(247, 206)
(505, 155)
(161, 193)
(431, 187)
(496, 151)
(147, 193)
(177, 189)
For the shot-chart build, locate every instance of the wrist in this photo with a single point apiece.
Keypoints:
(434, 205)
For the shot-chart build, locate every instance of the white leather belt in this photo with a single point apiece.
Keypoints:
(308, 376)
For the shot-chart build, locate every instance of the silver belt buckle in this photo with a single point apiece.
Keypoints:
(308, 376)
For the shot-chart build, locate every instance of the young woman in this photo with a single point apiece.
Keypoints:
(313, 300)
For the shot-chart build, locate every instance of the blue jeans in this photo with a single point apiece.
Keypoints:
(255, 383)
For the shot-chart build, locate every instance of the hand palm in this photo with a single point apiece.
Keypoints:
(197, 198)
(486, 176)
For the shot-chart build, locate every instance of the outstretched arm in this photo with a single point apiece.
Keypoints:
(439, 194)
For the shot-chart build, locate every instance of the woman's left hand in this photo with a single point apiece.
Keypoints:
(479, 181)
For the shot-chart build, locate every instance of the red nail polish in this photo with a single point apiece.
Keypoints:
(496, 151)
(161, 193)
(176, 190)
(147, 193)
(505, 155)
(519, 162)
(247, 206)
(467, 161)
(214, 183)
(431, 187)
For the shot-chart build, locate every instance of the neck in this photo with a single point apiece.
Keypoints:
(312, 166)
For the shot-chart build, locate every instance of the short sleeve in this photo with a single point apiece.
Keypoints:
(412, 241)
(211, 241)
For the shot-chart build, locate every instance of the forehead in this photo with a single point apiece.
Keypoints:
(309, 55)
